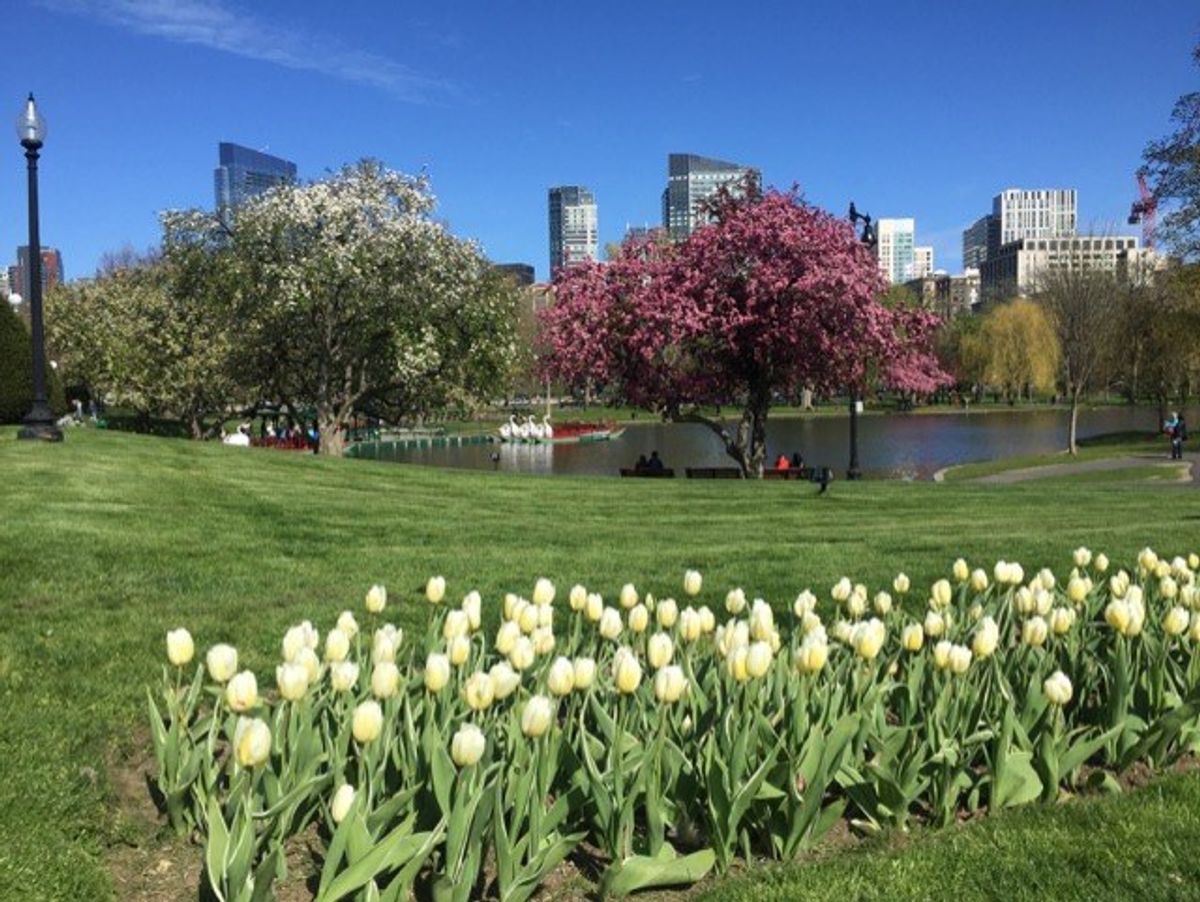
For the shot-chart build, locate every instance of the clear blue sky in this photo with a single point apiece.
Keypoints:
(910, 109)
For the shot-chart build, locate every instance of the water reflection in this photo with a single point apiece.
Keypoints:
(911, 446)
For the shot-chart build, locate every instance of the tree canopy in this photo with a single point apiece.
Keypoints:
(1172, 165)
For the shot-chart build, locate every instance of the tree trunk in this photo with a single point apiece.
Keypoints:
(1072, 448)
(331, 426)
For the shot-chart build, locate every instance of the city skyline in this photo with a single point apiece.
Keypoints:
(443, 94)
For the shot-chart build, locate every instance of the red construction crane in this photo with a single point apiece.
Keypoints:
(1145, 211)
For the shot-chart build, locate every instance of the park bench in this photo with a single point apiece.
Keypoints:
(666, 473)
(713, 473)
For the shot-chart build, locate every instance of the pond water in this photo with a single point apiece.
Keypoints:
(903, 446)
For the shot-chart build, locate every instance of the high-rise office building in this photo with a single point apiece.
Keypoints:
(1039, 213)
(1018, 267)
(922, 262)
(243, 173)
(691, 180)
(521, 273)
(895, 249)
(975, 242)
(52, 271)
(574, 230)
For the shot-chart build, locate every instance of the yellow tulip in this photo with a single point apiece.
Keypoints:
(337, 646)
(459, 649)
(692, 582)
(180, 647)
(670, 684)
(467, 745)
(960, 659)
(867, 639)
(758, 659)
(639, 618)
(435, 589)
(342, 800)
(577, 597)
(659, 650)
(987, 637)
(610, 624)
(735, 602)
(901, 584)
(222, 662)
(343, 675)
(537, 716)
(960, 571)
(594, 608)
(1034, 631)
(522, 654)
(666, 613)
(979, 580)
(560, 679)
(585, 672)
(251, 741)
(543, 592)
(478, 691)
(812, 655)
(376, 599)
(1176, 621)
(437, 672)
(629, 596)
(941, 654)
(912, 637)
(367, 722)
(507, 637)
(627, 671)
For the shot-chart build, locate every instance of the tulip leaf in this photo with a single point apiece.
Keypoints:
(643, 872)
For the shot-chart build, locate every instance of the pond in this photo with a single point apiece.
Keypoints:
(896, 446)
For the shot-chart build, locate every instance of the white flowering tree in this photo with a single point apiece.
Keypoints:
(349, 297)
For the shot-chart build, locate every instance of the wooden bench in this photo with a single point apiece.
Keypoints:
(713, 473)
(665, 473)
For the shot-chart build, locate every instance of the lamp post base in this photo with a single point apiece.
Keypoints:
(854, 473)
(39, 425)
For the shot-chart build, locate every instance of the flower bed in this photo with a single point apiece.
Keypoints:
(472, 764)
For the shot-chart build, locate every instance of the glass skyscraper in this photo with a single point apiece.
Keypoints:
(574, 234)
(691, 180)
(243, 173)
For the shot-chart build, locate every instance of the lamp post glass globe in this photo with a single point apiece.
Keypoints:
(31, 127)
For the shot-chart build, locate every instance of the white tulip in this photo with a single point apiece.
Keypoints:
(437, 672)
(670, 684)
(610, 623)
(385, 679)
(629, 596)
(543, 592)
(659, 650)
(504, 680)
(180, 647)
(667, 613)
(537, 716)
(251, 741)
(692, 582)
(376, 600)
(343, 676)
(560, 679)
(1057, 688)
(367, 722)
(347, 624)
(467, 745)
(342, 800)
(222, 662)
(585, 672)
(292, 680)
(435, 589)
(337, 645)
(241, 692)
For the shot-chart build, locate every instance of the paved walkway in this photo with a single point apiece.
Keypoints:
(1190, 476)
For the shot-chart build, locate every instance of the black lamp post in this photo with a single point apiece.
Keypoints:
(39, 422)
(868, 238)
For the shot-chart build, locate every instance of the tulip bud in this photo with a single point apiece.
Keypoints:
(1042, 601)
(1082, 557)
(960, 571)
(585, 672)
(1061, 620)
(337, 646)
(762, 620)
(577, 597)
(435, 589)
(841, 590)
(1101, 562)
(629, 596)
(935, 624)
(180, 647)
(627, 671)
(594, 608)
(812, 655)
(367, 722)
(940, 595)
(960, 659)
(1193, 561)
(692, 582)
(467, 745)
(987, 637)
(526, 617)
(610, 624)
(1176, 621)
(292, 680)
(639, 618)
(222, 662)
(805, 603)
(342, 800)
(343, 675)
(1168, 588)
(735, 602)
(758, 659)
(251, 741)
(241, 692)
(1117, 615)
(708, 622)
(560, 679)
(437, 672)
(472, 606)
(1046, 579)
(522, 654)
(856, 605)
(735, 663)
(537, 716)
(1147, 560)
(504, 680)
(543, 592)
(659, 650)
(385, 679)
(883, 603)
(383, 647)
(667, 612)
(867, 639)
(1034, 631)
(1057, 688)
(376, 599)
(456, 624)
(458, 650)
(670, 684)
(545, 616)
(912, 637)
(507, 637)
(901, 584)
(979, 580)
(347, 624)
(941, 654)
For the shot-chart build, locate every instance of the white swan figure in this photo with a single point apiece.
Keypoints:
(523, 429)
(509, 429)
(547, 429)
(535, 429)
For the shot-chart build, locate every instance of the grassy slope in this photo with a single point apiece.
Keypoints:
(1119, 444)
(108, 540)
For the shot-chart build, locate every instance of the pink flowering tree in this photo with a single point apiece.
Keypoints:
(775, 296)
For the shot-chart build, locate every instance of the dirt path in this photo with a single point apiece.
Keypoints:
(1189, 476)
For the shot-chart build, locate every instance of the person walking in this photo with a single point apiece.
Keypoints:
(1176, 430)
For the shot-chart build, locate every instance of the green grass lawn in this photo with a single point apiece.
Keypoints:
(108, 540)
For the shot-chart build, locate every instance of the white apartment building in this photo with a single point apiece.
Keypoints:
(895, 251)
(922, 262)
(1019, 265)
(1037, 213)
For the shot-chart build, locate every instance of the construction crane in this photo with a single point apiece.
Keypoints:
(1145, 211)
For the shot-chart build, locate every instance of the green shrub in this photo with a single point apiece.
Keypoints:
(16, 371)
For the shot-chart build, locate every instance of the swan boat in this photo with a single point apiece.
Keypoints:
(531, 432)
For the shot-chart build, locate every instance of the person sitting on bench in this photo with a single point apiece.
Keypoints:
(654, 464)
(782, 462)
(797, 461)
(641, 463)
